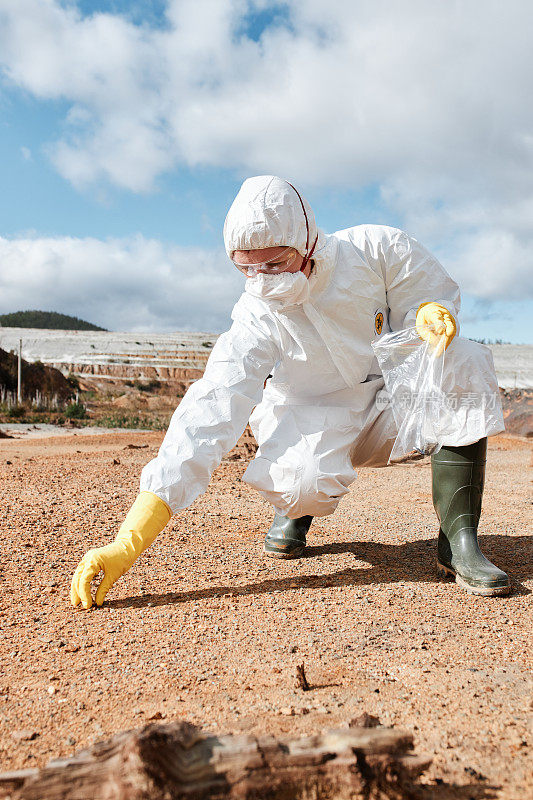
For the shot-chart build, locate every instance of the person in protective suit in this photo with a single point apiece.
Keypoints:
(312, 305)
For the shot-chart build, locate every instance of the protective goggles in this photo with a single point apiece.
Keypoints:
(284, 261)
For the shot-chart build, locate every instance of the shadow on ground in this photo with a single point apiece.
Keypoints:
(408, 562)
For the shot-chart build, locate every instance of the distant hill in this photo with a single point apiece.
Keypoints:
(46, 319)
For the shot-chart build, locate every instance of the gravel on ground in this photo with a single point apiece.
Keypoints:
(205, 628)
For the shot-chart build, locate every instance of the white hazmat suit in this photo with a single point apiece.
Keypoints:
(318, 416)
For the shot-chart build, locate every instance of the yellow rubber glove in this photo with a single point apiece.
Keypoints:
(144, 521)
(435, 325)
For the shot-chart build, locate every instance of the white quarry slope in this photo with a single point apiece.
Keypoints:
(110, 354)
(514, 365)
(166, 355)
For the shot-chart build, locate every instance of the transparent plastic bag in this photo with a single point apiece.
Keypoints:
(414, 382)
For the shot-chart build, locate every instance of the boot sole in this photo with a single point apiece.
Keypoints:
(281, 554)
(484, 591)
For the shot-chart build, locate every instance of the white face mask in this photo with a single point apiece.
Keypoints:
(288, 288)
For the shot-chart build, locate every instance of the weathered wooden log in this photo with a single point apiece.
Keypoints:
(180, 762)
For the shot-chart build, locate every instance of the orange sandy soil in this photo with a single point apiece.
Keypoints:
(205, 628)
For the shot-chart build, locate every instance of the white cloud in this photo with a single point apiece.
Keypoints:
(494, 264)
(122, 284)
(486, 243)
(429, 101)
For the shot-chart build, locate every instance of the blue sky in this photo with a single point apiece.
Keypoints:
(127, 127)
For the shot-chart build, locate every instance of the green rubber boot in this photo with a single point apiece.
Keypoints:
(286, 537)
(458, 479)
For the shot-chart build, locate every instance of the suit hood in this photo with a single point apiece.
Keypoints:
(269, 212)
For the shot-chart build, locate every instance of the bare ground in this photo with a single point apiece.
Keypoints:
(206, 629)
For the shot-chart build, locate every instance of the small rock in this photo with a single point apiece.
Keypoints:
(52, 690)
(364, 721)
(24, 735)
(287, 711)
(70, 741)
(301, 679)
(157, 715)
(475, 774)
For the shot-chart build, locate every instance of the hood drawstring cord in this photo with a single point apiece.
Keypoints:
(308, 253)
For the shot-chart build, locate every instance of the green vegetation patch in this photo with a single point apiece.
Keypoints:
(76, 411)
(133, 421)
